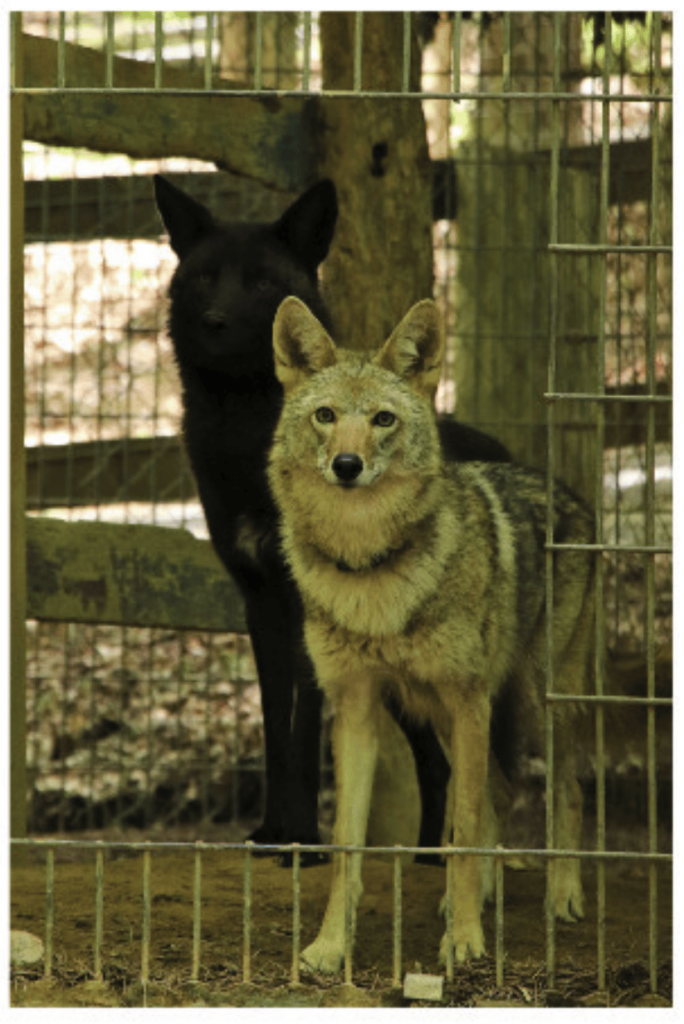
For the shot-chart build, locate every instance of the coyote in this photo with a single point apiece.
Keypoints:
(424, 581)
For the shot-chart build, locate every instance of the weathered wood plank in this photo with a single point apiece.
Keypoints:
(157, 468)
(264, 138)
(124, 207)
(128, 576)
(92, 472)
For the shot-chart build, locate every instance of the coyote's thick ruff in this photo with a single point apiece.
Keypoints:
(426, 581)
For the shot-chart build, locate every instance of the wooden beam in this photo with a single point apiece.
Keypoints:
(103, 472)
(157, 468)
(123, 207)
(629, 178)
(128, 576)
(264, 138)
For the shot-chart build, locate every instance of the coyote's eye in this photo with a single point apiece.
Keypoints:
(384, 418)
(325, 415)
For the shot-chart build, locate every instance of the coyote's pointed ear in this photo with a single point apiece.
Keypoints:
(415, 348)
(301, 345)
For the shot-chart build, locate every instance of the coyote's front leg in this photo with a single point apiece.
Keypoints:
(355, 749)
(469, 746)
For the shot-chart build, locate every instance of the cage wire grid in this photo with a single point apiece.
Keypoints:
(122, 281)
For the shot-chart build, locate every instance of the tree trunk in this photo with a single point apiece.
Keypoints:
(237, 34)
(503, 288)
(375, 150)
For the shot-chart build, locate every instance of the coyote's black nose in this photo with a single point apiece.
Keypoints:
(347, 467)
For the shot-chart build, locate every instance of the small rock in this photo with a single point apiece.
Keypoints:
(25, 949)
(428, 987)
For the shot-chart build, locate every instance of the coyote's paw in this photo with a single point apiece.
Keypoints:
(323, 956)
(565, 891)
(468, 943)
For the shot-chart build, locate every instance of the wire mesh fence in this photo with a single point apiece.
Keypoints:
(551, 199)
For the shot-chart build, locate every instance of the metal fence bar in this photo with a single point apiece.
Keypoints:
(406, 59)
(278, 848)
(208, 54)
(554, 296)
(456, 52)
(49, 909)
(247, 916)
(99, 914)
(603, 248)
(61, 53)
(506, 61)
(499, 918)
(358, 52)
(626, 549)
(349, 915)
(396, 921)
(599, 658)
(306, 68)
(158, 49)
(580, 396)
(651, 336)
(197, 912)
(147, 917)
(258, 50)
(109, 49)
(384, 94)
(296, 913)
(663, 702)
(449, 920)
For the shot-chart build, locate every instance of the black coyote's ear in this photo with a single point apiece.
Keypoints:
(184, 218)
(308, 226)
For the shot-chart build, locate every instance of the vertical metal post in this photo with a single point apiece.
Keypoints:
(109, 50)
(358, 49)
(296, 914)
(348, 918)
(449, 917)
(17, 539)
(258, 50)
(247, 918)
(49, 909)
(397, 923)
(599, 656)
(406, 63)
(499, 918)
(158, 48)
(99, 914)
(61, 52)
(651, 340)
(208, 47)
(306, 69)
(147, 921)
(506, 78)
(197, 912)
(550, 470)
(456, 53)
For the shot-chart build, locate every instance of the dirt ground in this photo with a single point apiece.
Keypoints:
(221, 963)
